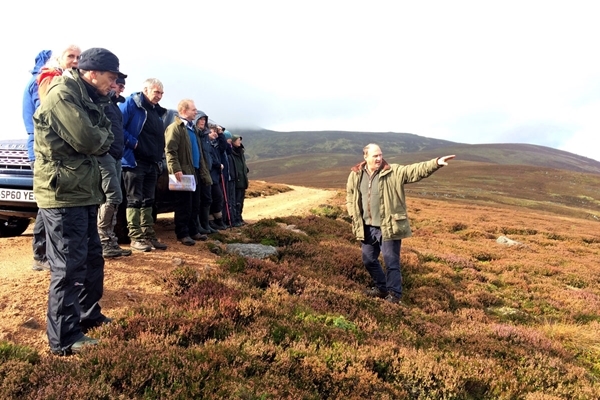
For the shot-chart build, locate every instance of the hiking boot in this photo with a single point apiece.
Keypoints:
(199, 236)
(390, 298)
(219, 225)
(39, 265)
(77, 346)
(81, 343)
(157, 245)
(376, 292)
(124, 252)
(109, 251)
(188, 241)
(140, 245)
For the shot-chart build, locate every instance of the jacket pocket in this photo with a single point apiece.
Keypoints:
(400, 225)
(74, 180)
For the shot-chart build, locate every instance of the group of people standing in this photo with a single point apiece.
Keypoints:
(86, 142)
(215, 158)
(85, 139)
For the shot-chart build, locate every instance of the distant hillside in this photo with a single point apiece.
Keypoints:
(520, 175)
(265, 144)
(271, 153)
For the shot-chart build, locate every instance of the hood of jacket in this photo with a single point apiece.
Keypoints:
(201, 114)
(40, 60)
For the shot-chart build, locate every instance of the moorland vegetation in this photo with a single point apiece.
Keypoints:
(480, 319)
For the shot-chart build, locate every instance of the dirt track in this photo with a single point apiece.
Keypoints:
(295, 202)
(128, 280)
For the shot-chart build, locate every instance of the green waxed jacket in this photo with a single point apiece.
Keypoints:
(392, 207)
(178, 151)
(70, 131)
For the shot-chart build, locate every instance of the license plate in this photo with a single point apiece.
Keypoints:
(25, 196)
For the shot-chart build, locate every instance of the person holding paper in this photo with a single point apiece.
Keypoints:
(184, 157)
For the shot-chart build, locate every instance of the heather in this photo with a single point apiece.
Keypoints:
(480, 320)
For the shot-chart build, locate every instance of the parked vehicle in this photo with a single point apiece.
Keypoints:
(17, 202)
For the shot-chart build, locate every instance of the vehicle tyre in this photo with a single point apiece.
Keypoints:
(13, 227)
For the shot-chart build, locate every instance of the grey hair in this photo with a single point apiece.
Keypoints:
(54, 61)
(368, 147)
(151, 82)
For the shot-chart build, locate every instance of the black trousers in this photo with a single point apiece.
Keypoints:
(216, 194)
(140, 184)
(187, 210)
(240, 195)
(76, 272)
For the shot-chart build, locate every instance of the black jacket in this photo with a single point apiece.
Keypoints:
(113, 112)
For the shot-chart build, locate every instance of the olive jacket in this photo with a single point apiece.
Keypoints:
(392, 207)
(70, 131)
(178, 151)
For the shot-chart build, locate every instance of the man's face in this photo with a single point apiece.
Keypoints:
(190, 113)
(153, 94)
(374, 158)
(201, 123)
(119, 88)
(69, 59)
(104, 81)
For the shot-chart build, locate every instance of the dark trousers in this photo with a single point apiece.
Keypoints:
(76, 272)
(187, 210)
(39, 233)
(205, 194)
(39, 239)
(216, 194)
(240, 195)
(372, 246)
(140, 184)
(229, 204)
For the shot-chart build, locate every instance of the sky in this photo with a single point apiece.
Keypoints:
(465, 71)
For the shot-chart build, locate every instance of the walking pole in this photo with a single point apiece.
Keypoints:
(226, 202)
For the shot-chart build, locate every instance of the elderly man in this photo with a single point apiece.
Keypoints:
(375, 201)
(71, 130)
(144, 133)
(48, 65)
(31, 101)
(185, 157)
(110, 169)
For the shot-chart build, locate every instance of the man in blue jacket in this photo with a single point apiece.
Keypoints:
(144, 134)
(31, 101)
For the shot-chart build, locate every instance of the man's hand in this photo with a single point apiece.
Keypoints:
(444, 160)
(178, 176)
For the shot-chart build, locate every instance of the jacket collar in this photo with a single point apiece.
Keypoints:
(361, 165)
(138, 99)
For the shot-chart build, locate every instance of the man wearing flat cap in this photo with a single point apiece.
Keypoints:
(71, 131)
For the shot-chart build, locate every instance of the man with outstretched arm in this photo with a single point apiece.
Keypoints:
(375, 200)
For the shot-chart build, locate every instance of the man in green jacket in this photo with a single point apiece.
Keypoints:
(71, 130)
(375, 201)
(184, 156)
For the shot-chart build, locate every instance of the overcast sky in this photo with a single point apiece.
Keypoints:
(466, 71)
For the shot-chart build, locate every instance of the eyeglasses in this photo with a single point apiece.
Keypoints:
(121, 86)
